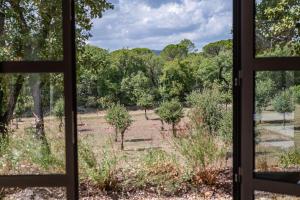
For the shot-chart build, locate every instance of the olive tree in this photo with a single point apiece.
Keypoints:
(171, 112)
(284, 103)
(118, 117)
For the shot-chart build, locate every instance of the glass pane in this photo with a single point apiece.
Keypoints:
(273, 196)
(52, 193)
(277, 28)
(32, 135)
(31, 30)
(277, 123)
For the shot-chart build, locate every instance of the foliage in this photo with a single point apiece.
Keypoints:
(284, 103)
(201, 152)
(263, 94)
(119, 118)
(102, 173)
(177, 51)
(290, 158)
(215, 48)
(160, 171)
(278, 23)
(225, 130)
(206, 109)
(170, 112)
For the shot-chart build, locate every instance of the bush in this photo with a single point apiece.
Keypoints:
(103, 173)
(201, 152)
(160, 171)
(120, 119)
(290, 158)
(225, 130)
(206, 109)
(170, 112)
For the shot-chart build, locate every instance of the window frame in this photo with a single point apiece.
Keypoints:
(249, 65)
(67, 67)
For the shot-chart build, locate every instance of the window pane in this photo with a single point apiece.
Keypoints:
(32, 136)
(273, 196)
(277, 28)
(277, 122)
(52, 193)
(31, 30)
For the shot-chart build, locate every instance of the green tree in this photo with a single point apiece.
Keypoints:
(277, 23)
(206, 109)
(118, 117)
(31, 30)
(263, 94)
(59, 112)
(145, 100)
(177, 51)
(171, 112)
(284, 103)
(214, 48)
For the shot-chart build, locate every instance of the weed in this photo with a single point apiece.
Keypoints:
(290, 158)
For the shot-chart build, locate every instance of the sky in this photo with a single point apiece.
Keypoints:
(156, 23)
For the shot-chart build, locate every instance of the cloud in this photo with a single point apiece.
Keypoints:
(156, 23)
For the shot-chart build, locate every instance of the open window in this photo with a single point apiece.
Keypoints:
(37, 66)
(269, 99)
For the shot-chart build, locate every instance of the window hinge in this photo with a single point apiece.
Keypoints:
(238, 176)
(238, 79)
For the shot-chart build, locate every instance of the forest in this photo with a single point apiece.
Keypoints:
(153, 121)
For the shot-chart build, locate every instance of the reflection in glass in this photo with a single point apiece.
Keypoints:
(277, 28)
(272, 196)
(31, 30)
(277, 121)
(31, 124)
(53, 193)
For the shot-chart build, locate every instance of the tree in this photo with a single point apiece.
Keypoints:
(171, 112)
(177, 51)
(277, 23)
(214, 49)
(118, 117)
(206, 109)
(145, 100)
(175, 81)
(31, 30)
(284, 103)
(59, 112)
(263, 94)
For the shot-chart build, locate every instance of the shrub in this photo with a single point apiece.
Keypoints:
(101, 173)
(59, 112)
(202, 152)
(206, 109)
(160, 171)
(290, 158)
(170, 112)
(225, 130)
(120, 119)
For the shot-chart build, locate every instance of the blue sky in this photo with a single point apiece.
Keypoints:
(156, 23)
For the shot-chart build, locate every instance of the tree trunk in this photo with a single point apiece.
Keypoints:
(146, 117)
(116, 135)
(162, 125)
(174, 130)
(60, 125)
(15, 89)
(122, 140)
(36, 86)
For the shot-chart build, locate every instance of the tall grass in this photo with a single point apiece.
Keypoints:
(101, 173)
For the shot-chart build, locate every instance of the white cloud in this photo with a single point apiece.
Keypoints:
(138, 23)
